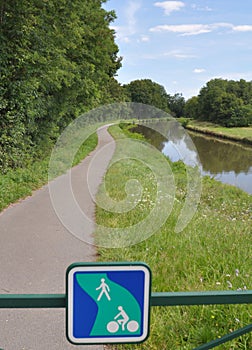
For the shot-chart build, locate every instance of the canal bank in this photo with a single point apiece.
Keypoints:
(222, 159)
(242, 134)
(212, 253)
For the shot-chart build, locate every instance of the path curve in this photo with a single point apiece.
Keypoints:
(35, 250)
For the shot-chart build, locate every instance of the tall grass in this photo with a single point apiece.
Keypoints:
(241, 134)
(212, 253)
(19, 183)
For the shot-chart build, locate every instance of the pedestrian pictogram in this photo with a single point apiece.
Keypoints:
(104, 289)
(108, 303)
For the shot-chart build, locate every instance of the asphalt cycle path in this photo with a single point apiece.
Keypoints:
(36, 249)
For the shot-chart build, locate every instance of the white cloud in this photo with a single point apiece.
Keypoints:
(130, 14)
(243, 28)
(173, 54)
(183, 29)
(178, 54)
(130, 28)
(170, 6)
(196, 29)
(199, 8)
(126, 39)
(199, 70)
(233, 76)
(207, 8)
(144, 38)
(190, 29)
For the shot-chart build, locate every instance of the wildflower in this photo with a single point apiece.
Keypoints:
(237, 272)
(229, 284)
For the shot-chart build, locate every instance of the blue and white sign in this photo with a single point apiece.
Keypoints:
(108, 303)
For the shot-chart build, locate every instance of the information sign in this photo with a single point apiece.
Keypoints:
(108, 303)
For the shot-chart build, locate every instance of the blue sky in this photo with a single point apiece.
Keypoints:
(183, 44)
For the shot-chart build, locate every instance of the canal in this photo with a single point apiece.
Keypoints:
(228, 162)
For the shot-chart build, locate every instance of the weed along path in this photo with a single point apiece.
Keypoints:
(36, 249)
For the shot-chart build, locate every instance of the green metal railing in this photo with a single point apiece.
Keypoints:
(157, 299)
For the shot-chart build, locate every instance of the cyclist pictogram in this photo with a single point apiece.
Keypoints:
(122, 319)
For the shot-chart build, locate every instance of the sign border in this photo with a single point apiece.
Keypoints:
(107, 266)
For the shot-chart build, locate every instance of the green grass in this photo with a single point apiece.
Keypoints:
(243, 134)
(88, 146)
(212, 253)
(19, 183)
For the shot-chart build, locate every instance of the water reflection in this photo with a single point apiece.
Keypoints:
(225, 161)
(174, 151)
(221, 156)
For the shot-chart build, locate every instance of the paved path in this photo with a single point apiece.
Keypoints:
(35, 250)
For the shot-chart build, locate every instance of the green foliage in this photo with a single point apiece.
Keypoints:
(19, 183)
(86, 148)
(211, 253)
(148, 92)
(151, 93)
(191, 108)
(176, 104)
(184, 121)
(58, 59)
(240, 134)
(225, 102)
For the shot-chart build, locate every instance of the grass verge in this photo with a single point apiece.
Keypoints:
(241, 134)
(19, 183)
(212, 253)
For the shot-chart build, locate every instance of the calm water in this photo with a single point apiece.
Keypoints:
(227, 162)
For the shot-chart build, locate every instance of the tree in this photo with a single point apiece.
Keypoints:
(226, 102)
(148, 92)
(176, 104)
(58, 58)
(191, 109)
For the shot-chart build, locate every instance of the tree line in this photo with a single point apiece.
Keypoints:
(151, 93)
(58, 59)
(225, 102)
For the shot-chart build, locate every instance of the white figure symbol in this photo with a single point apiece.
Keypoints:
(122, 321)
(104, 290)
(113, 326)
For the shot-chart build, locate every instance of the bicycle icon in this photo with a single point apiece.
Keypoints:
(113, 326)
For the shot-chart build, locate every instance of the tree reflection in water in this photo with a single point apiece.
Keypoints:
(226, 161)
